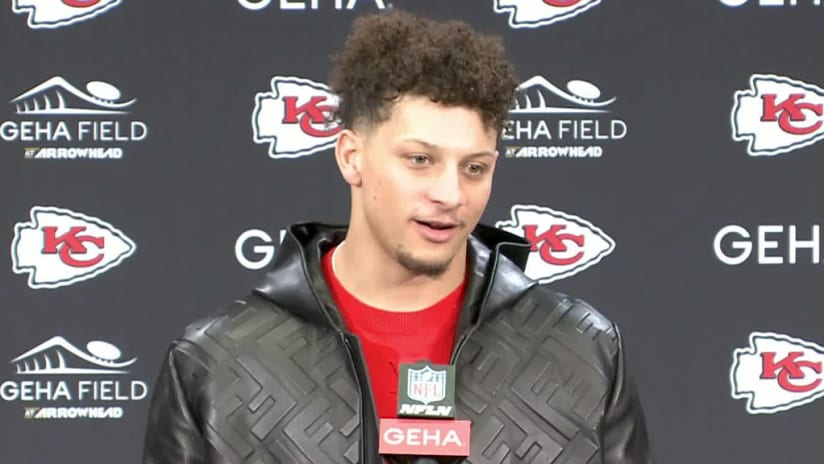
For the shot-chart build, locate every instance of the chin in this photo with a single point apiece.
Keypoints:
(432, 266)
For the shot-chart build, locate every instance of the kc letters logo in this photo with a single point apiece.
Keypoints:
(537, 13)
(60, 247)
(68, 379)
(777, 115)
(295, 117)
(60, 121)
(562, 244)
(50, 14)
(777, 372)
(550, 122)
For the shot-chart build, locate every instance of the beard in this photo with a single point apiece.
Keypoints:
(421, 267)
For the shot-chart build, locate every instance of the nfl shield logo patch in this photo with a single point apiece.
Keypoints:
(426, 390)
(426, 385)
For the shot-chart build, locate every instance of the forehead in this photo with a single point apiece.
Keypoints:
(417, 117)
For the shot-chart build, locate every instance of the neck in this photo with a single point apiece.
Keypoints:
(376, 278)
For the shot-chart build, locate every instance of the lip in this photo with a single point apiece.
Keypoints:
(437, 235)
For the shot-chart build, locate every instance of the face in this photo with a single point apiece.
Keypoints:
(425, 178)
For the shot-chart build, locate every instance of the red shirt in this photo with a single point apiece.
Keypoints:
(390, 338)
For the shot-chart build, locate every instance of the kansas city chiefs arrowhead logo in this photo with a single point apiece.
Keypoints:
(60, 247)
(50, 14)
(536, 13)
(777, 115)
(777, 372)
(562, 244)
(294, 117)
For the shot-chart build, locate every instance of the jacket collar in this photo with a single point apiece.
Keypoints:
(295, 281)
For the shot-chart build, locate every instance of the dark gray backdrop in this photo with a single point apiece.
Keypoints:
(186, 192)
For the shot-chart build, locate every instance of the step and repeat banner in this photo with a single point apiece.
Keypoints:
(663, 158)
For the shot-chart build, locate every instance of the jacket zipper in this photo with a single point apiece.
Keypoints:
(358, 365)
(456, 352)
(357, 361)
(368, 441)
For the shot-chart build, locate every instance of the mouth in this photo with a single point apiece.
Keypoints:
(437, 231)
(438, 225)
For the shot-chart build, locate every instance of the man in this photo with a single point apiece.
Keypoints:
(301, 370)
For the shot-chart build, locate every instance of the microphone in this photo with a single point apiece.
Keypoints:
(426, 430)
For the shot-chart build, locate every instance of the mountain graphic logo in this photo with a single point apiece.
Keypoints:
(56, 356)
(56, 96)
(580, 96)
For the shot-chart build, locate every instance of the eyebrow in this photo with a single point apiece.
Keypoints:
(434, 147)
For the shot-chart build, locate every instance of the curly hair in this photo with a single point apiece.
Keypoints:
(387, 55)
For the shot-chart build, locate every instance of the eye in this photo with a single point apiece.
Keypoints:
(476, 169)
(419, 159)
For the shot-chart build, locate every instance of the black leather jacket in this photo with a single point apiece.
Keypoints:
(276, 378)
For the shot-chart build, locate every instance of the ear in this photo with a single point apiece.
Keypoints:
(349, 156)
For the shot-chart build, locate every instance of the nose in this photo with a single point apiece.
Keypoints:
(446, 188)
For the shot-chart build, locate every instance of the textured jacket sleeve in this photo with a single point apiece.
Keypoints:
(172, 436)
(624, 430)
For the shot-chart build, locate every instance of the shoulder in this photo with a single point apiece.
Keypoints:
(254, 340)
(245, 325)
(544, 316)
